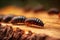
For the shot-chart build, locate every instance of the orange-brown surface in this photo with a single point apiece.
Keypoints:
(52, 22)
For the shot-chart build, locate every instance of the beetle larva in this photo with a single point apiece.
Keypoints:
(34, 22)
(18, 20)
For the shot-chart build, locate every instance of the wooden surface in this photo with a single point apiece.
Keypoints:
(52, 22)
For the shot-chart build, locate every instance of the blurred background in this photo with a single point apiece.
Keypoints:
(16, 7)
(19, 6)
(21, 3)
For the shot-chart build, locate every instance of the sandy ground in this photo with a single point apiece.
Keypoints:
(52, 22)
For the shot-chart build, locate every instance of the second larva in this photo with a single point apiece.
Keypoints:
(34, 22)
(18, 20)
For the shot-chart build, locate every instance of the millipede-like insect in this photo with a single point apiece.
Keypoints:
(34, 22)
(18, 20)
(7, 18)
(53, 11)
